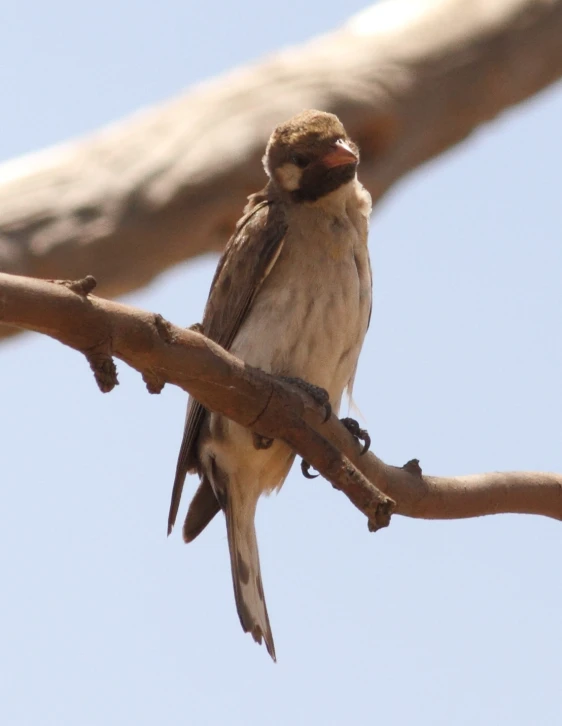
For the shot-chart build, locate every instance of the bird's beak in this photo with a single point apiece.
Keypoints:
(339, 155)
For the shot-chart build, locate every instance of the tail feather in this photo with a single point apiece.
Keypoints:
(246, 575)
(202, 509)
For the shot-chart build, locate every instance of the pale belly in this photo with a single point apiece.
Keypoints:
(309, 321)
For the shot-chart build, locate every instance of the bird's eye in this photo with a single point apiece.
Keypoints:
(299, 160)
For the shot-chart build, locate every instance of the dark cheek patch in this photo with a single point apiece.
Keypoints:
(317, 181)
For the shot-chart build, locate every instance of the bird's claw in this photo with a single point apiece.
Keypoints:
(358, 433)
(261, 442)
(320, 395)
(322, 398)
(305, 468)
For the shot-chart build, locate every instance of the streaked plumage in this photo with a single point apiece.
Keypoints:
(292, 296)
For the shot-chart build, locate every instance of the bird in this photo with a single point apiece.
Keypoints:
(291, 296)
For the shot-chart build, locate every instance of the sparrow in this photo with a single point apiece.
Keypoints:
(292, 296)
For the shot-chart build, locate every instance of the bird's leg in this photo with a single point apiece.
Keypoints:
(354, 429)
(358, 433)
(320, 395)
(322, 398)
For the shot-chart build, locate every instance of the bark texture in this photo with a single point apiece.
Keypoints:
(164, 353)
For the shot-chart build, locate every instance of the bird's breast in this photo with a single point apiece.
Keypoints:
(311, 314)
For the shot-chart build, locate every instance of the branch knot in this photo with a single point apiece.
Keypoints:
(164, 329)
(103, 367)
(81, 287)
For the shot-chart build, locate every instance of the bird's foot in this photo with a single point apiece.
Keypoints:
(261, 442)
(358, 433)
(305, 468)
(322, 398)
(320, 395)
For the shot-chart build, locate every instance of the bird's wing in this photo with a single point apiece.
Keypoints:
(249, 257)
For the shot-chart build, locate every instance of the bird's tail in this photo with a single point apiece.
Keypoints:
(246, 575)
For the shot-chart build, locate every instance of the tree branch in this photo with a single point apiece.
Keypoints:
(164, 353)
(408, 78)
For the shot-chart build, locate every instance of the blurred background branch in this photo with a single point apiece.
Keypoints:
(408, 79)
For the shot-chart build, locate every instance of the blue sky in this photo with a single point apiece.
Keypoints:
(104, 620)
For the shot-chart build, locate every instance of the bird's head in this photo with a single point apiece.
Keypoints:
(310, 156)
